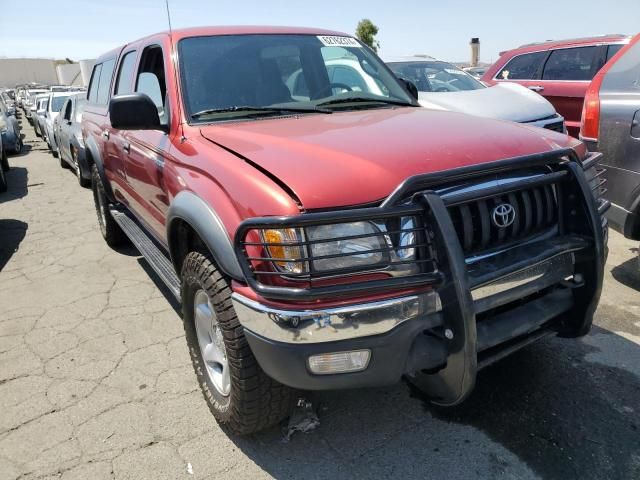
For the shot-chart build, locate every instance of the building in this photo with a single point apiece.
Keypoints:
(16, 71)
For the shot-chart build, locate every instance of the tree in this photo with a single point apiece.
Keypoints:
(366, 32)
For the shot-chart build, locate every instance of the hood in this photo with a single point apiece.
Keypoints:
(355, 158)
(504, 101)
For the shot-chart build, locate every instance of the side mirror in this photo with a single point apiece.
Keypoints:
(410, 86)
(134, 111)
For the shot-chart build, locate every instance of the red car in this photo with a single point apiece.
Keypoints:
(559, 70)
(321, 234)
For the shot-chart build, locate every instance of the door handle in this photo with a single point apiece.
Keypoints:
(105, 134)
(536, 88)
(127, 147)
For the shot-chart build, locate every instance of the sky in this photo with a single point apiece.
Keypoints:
(79, 29)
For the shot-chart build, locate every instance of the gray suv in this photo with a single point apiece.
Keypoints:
(611, 125)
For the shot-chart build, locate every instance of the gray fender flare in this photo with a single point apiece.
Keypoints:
(190, 208)
(92, 147)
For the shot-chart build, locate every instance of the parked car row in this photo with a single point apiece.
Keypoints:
(42, 107)
(322, 229)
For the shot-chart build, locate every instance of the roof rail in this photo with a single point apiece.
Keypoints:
(602, 35)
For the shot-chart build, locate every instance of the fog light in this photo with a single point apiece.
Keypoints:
(339, 362)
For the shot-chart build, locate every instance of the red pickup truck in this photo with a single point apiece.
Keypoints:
(320, 235)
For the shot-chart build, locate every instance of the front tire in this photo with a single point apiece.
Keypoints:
(239, 394)
(111, 231)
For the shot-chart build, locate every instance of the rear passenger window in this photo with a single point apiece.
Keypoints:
(125, 74)
(105, 81)
(92, 96)
(522, 67)
(612, 50)
(571, 64)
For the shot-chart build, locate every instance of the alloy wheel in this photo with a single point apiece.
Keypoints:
(211, 342)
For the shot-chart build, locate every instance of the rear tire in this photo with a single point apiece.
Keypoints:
(3, 181)
(76, 163)
(111, 231)
(4, 162)
(18, 146)
(253, 401)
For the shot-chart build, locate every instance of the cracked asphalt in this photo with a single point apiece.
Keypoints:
(96, 381)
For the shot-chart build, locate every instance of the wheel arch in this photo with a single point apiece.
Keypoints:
(92, 153)
(190, 222)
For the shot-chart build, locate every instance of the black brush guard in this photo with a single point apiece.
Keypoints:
(580, 230)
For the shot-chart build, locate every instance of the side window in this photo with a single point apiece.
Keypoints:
(522, 67)
(105, 81)
(300, 88)
(151, 79)
(347, 76)
(92, 96)
(612, 50)
(67, 109)
(571, 64)
(125, 74)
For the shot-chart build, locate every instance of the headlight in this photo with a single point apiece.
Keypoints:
(336, 248)
(347, 245)
(3, 125)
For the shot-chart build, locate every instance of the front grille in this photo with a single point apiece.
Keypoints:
(535, 211)
(555, 126)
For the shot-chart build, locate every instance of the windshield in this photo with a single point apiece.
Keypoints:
(243, 76)
(435, 76)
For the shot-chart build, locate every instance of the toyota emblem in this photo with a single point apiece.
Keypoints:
(503, 215)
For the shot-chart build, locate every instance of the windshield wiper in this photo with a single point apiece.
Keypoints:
(387, 101)
(249, 108)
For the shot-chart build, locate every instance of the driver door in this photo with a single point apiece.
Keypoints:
(145, 151)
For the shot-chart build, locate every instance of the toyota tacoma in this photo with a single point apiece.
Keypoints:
(322, 234)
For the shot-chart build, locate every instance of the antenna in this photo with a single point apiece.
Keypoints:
(166, 2)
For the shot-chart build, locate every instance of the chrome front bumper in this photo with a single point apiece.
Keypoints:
(333, 324)
(375, 318)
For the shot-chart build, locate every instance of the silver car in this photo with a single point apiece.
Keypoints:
(68, 138)
(30, 101)
(37, 114)
(611, 125)
(444, 86)
(9, 129)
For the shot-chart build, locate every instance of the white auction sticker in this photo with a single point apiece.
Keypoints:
(334, 41)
